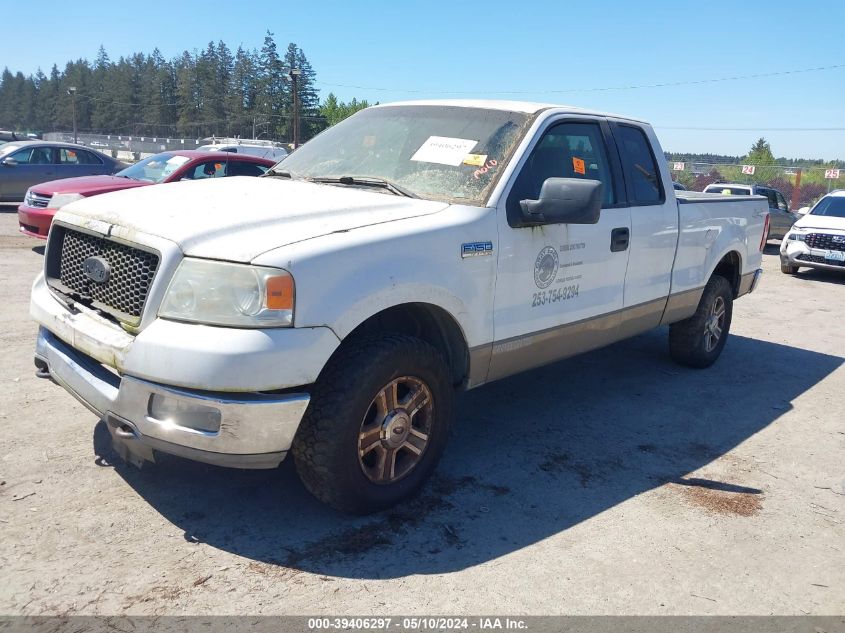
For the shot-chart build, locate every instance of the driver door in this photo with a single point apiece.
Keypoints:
(560, 286)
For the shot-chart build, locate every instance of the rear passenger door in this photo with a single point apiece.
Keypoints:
(780, 218)
(654, 226)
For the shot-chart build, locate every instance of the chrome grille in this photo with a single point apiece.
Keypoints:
(37, 200)
(125, 291)
(825, 241)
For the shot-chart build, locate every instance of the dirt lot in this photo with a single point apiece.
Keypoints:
(614, 483)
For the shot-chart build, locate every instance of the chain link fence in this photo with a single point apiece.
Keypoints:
(800, 185)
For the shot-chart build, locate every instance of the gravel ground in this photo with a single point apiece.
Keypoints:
(612, 483)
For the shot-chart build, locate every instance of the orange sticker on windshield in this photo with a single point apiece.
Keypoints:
(579, 166)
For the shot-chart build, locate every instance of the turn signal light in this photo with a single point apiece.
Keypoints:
(280, 293)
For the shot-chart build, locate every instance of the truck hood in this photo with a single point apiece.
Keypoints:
(87, 185)
(809, 221)
(238, 218)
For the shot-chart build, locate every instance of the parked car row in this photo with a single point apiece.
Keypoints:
(41, 201)
(27, 163)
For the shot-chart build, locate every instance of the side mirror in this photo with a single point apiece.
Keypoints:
(10, 162)
(565, 201)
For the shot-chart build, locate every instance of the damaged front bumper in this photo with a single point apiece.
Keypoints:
(243, 430)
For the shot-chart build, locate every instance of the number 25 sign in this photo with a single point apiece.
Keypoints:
(832, 174)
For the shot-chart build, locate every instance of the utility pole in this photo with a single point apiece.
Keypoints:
(72, 92)
(294, 76)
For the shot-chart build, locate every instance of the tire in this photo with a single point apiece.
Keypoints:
(786, 269)
(357, 422)
(695, 342)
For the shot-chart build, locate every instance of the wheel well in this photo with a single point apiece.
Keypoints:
(729, 267)
(427, 322)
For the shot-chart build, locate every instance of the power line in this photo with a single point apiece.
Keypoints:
(752, 129)
(595, 89)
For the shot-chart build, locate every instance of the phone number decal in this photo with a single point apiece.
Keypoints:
(554, 295)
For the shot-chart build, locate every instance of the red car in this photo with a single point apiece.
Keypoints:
(42, 201)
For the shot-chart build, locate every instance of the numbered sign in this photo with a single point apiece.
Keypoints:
(678, 167)
(832, 174)
(748, 170)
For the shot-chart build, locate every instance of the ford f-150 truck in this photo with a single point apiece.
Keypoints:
(333, 307)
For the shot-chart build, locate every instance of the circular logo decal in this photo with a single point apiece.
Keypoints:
(545, 268)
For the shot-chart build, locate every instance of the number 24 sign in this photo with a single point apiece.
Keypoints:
(748, 170)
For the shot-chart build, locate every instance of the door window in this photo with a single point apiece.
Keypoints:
(641, 173)
(73, 156)
(770, 195)
(781, 202)
(567, 150)
(243, 168)
(209, 169)
(34, 156)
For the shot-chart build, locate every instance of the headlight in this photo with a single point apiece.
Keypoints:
(795, 235)
(61, 199)
(221, 293)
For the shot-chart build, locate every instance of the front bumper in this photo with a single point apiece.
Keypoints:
(797, 253)
(35, 221)
(255, 431)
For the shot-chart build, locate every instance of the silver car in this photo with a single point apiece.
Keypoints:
(27, 163)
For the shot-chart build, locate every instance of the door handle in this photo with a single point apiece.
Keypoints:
(619, 239)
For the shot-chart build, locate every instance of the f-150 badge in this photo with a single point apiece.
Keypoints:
(476, 249)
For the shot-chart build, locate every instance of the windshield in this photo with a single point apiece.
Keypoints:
(8, 148)
(155, 168)
(830, 206)
(444, 153)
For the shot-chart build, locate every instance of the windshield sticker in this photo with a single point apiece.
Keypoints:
(444, 150)
(579, 166)
(369, 141)
(475, 160)
(490, 164)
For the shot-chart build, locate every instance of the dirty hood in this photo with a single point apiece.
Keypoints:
(238, 218)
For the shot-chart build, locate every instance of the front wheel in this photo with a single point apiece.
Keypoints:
(698, 341)
(377, 423)
(786, 269)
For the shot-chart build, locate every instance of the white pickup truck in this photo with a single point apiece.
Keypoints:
(333, 308)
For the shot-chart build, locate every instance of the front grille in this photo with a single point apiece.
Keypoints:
(825, 241)
(816, 259)
(125, 291)
(37, 200)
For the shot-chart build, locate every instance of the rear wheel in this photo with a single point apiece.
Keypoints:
(698, 341)
(377, 423)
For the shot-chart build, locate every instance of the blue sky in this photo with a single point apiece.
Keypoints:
(551, 51)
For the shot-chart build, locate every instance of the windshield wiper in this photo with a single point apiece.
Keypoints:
(279, 174)
(368, 181)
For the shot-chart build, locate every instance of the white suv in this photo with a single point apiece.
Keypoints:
(817, 240)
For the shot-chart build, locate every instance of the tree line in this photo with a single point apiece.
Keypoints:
(778, 173)
(209, 92)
